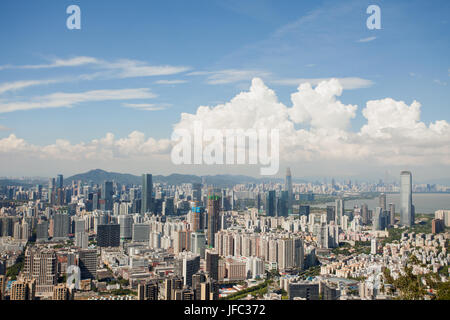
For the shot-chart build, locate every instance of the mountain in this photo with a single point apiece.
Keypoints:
(98, 176)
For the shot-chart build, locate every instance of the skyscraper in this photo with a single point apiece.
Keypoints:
(107, 196)
(271, 203)
(339, 212)
(59, 181)
(382, 201)
(213, 217)
(289, 190)
(406, 210)
(108, 235)
(147, 191)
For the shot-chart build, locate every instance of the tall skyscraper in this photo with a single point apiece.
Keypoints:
(382, 201)
(289, 190)
(213, 217)
(406, 206)
(392, 213)
(339, 212)
(59, 181)
(147, 191)
(271, 203)
(61, 226)
(107, 196)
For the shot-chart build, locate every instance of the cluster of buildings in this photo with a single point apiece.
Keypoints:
(190, 241)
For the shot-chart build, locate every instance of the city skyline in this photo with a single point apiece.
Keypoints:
(82, 99)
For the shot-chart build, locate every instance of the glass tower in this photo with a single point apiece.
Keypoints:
(406, 210)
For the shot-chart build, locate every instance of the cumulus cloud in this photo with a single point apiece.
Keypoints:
(348, 83)
(314, 128)
(135, 145)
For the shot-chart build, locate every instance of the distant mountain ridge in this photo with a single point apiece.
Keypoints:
(98, 176)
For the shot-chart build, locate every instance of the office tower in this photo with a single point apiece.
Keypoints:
(147, 192)
(197, 192)
(108, 235)
(141, 232)
(168, 208)
(81, 240)
(213, 217)
(41, 265)
(61, 292)
(79, 225)
(271, 203)
(212, 264)
(170, 285)
(126, 226)
(365, 214)
(299, 254)
(186, 265)
(289, 189)
(87, 262)
(198, 243)
(406, 210)
(197, 219)
(61, 226)
(322, 236)
(331, 213)
(392, 213)
(379, 219)
(59, 181)
(42, 231)
(95, 201)
(283, 204)
(304, 210)
(148, 291)
(23, 290)
(340, 209)
(106, 202)
(382, 201)
(51, 190)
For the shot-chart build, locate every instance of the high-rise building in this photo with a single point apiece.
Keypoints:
(108, 235)
(382, 201)
(406, 206)
(41, 265)
(289, 190)
(61, 292)
(141, 232)
(392, 213)
(213, 217)
(365, 214)
(186, 265)
(42, 231)
(212, 264)
(87, 262)
(148, 291)
(61, 226)
(340, 209)
(147, 193)
(197, 192)
(107, 196)
(271, 203)
(2, 286)
(198, 243)
(23, 290)
(126, 226)
(197, 219)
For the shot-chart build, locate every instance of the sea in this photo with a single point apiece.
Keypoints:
(426, 203)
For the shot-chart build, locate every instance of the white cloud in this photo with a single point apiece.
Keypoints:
(367, 39)
(17, 85)
(57, 63)
(347, 83)
(170, 81)
(146, 106)
(314, 132)
(62, 99)
(229, 75)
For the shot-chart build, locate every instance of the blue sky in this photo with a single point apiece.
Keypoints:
(194, 42)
